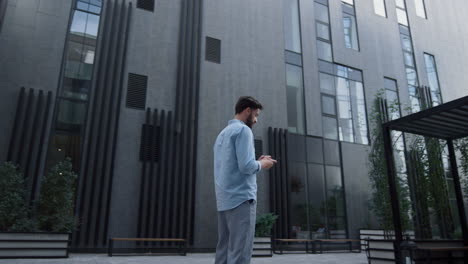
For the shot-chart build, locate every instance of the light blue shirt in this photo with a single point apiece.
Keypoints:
(235, 166)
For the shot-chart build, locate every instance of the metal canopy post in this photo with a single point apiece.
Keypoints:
(458, 191)
(387, 138)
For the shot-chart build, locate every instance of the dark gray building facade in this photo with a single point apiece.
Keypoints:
(136, 91)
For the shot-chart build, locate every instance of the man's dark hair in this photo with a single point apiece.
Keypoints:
(245, 102)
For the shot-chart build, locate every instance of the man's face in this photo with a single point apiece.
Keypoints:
(252, 118)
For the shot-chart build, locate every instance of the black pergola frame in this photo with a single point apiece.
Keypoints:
(449, 122)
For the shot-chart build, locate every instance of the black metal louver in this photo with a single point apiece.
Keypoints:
(213, 50)
(136, 91)
(258, 144)
(146, 5)
(149, 144)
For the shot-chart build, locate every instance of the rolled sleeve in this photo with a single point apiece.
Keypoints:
(245, 152)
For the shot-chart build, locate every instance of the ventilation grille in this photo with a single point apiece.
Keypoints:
(146, 5)
(258, 144)
(213, 50)
(136, 91)
(150, 142)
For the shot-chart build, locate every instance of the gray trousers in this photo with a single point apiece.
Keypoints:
(236, 228)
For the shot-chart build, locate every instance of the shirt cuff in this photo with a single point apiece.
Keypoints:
(259, 166)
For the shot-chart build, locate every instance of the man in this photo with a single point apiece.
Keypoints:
(235, 171)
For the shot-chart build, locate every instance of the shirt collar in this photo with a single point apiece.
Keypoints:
(233, 121)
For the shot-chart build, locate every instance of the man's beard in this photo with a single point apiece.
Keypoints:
(250, 121)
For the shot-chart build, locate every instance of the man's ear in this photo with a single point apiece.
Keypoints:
(249, 110)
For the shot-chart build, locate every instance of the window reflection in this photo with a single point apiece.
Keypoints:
(291, 25)
(379, 8)
(294, 98)
(324, 50)
(350, 32)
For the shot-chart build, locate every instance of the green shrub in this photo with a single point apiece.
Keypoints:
(55, 206)
(14, 210)
(264, 224)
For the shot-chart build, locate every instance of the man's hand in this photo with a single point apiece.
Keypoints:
(266, 161)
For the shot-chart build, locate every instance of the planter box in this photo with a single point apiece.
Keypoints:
(34, 245)
(262, 247)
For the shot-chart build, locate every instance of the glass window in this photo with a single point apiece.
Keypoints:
(335, 199)
(390, 84)
(408, 59)
(393, 104)
(76, 88)
(400, 3)
(297, 177)
(294, 98)
(291, 25)
(327, 83)
(359, 114)
(350, 31)
(406, 42)
(79, 22)
(92, 26)
(323, 31)
(351, 2)
(329, 127)
(411, 76)
(317, 200)
(379, 8)
(71, 115)
(420, 8)
(433, 78)
(324, 50)
(401, 17)
(321, 13)
(345, 121)
(328, 105)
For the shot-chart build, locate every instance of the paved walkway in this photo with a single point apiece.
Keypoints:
(329, 258)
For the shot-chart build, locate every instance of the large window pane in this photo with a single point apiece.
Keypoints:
(420, 8)
(411, 77)
(379, 8)
(408, 59)
(324, 50)
(328, 105)
(76, 88)
(401, 17)
(433, 78)
(345, 121)
(321, 13)
(71, 115)
(92, 26)
(79, 22)
(291, 25)
(359, 113)
(335, 201)
(298, 205)
(400, 3)
(406, 43)
(329, 127)
(294, 98)
(316, 191)
(323, 31)
(327, 83)
(350, 32)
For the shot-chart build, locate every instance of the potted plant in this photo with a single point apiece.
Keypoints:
(43, 229)
(262, 240)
